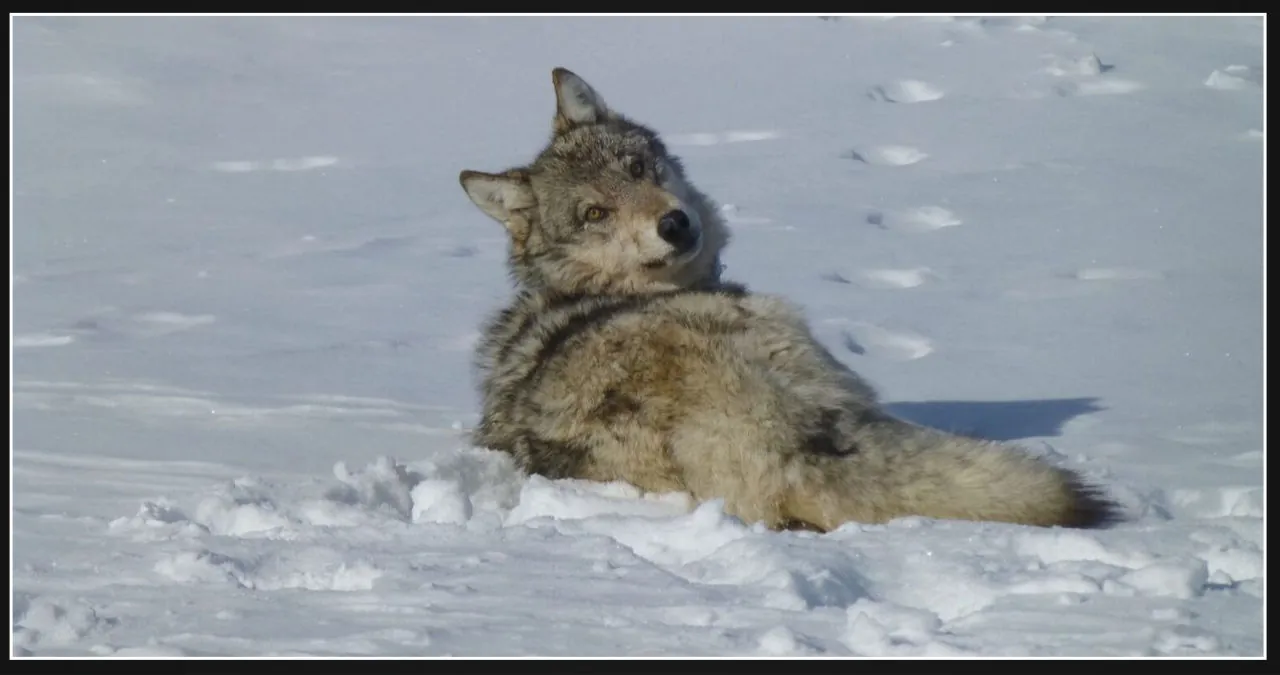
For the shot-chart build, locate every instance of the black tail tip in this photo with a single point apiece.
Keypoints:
(1091, 508)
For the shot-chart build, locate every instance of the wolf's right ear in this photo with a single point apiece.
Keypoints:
(576, 102)
(500, 195)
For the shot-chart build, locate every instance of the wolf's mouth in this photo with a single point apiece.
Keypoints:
(675, 257)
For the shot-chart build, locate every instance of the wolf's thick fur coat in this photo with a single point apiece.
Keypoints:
(623, 356)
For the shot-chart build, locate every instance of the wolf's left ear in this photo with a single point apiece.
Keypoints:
(576, 102)
(500, 195)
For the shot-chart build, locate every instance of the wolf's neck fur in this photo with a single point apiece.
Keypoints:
(710, 282)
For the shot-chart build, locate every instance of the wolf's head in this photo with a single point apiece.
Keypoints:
(604, 208)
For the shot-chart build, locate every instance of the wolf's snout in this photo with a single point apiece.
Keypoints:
(675, 229)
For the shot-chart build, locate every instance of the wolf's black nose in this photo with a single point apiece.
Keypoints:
(674, 229)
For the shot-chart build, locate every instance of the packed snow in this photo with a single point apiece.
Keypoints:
(246, 286)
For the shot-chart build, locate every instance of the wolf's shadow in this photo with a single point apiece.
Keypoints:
(996, 420)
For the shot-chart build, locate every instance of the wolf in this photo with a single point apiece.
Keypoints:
(623, 356)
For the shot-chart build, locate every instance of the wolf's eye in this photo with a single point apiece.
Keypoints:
(595, 214)
(637, 169)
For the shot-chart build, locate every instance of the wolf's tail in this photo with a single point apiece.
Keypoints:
(899, 469)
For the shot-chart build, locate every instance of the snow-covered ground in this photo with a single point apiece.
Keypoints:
(246, 284)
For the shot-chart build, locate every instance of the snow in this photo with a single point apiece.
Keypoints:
(246, 286)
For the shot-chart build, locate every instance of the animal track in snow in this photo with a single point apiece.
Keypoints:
(896, 278)
(1116, 274)
(41, 340)
(905, 91)
(884, 278)
(888, 155)
(110, 323)
(1234, 77)
(285, 164)
(1084, 66)
(917, 219)
(893, 345)
(717, 138)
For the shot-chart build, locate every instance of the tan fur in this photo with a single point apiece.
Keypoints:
(617, 360)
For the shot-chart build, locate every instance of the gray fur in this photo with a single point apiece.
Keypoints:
(619, 360)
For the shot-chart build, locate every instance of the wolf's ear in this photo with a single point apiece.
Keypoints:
(576, 102)
(500, 195)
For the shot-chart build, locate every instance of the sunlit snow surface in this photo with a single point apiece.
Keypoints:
(246, 286)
